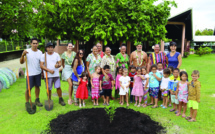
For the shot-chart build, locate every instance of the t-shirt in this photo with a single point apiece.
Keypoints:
(153, 82)
(124, 80)
(172, 85)
(194, 90)
(164, 83)
(51, 62)
(33, 59)
(161, 72)
(144, 81)
(131, 75)
(106, 84)
(173, 60)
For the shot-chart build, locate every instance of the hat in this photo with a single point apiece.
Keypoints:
(50, 44)
(137, 43)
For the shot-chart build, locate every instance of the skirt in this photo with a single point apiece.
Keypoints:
(67, 72)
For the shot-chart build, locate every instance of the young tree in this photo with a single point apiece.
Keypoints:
(107, 20)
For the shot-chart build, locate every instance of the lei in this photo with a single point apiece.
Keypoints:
(141, 59)
(94, 58)
(111, 62)
(67, 58)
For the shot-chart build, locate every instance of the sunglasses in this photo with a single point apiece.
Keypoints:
(81, 53)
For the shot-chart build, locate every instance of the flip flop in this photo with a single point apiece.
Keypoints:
(188, 118)
(150, 104)
(171, 110)
(183, 116)
(144, 106)
(154, 106)
(161, 105)
(178, 114)
(104, 104)
(164, 107)
(169, 105)
(191, 120)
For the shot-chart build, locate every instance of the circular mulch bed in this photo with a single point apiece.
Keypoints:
(96, 121)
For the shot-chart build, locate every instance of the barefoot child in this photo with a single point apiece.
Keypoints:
(53, 63)
(95, 85)
(171, 71)
(138, 87)
(160, 70)
(82, 91)
(154, 78)
(124, 85)
(164, 87)
(194, 87)
(106, 85)
(182, 93)
(117, 86)
(145, 83)
(172, 86)
(131, 75)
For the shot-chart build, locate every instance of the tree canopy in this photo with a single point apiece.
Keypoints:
(107, 20)
(204, 32)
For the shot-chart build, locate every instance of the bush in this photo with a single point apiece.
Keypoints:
(191, 50)
(186, 54)
(201, 51)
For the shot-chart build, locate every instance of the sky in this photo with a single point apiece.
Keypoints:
(203, 12)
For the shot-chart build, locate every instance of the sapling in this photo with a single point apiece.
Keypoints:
(111, 109)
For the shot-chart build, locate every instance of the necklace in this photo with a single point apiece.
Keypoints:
(111, 62)
(67, 58)
(141, 59)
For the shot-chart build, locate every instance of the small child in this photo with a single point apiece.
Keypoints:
(164, 87)
(154, 78)
(131, 75)
(95, 85)
(160, 70)
(182, 93)
(171, 70)
(124, 86)
(106, 85)
(194, 88)
(138, 87)
(145, 83)
(82, 91)
(117, 86)
(172, 86)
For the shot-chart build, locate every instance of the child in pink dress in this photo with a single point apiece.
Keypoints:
(95, 85)
(138, 90)
(117, 85)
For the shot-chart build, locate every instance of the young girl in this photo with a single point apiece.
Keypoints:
(117, 86)
(124, 85)
(171, 71)
(182, 93)
(164, 87)
(82, 92)
(95, 85)
(145, 85)
(154, 78)
(138, 87)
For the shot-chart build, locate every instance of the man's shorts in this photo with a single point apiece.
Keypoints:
(106, 92)
(55, 81)
(34, 80)
(193, 104)
(174, 100)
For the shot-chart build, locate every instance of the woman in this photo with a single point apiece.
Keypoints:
(122, 59)
(67, 59)
(174, 58)
(156, 57)
(78, 68)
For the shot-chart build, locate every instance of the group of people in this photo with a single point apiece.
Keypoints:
(157, 75)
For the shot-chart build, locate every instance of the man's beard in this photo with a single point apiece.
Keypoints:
(139, 50)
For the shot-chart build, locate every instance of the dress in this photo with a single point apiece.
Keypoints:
(138, 87)
(117, 86)
(122, 61)
(79, 69)
(95, 90)
(82, 91)
(183, 92)
(124, 81)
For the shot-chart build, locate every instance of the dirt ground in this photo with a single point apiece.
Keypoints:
(12, 64)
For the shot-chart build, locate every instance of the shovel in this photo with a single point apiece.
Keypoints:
(49, 102)
(30, 107)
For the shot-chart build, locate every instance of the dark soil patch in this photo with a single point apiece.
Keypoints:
(96, 121)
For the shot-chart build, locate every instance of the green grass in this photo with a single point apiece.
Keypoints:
(14, 118)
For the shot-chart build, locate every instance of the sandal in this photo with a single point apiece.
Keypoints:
(183, 116)
(164, 107)
(76, 104)
(178, 114)
(154, 106)
(171, 110)
(135, 104)
(138, 105)
(70, 102)
(188, 118)
(104, 104)
(144, 105)
(169, 105)
(192, 120)
(121, 103)
(150, 104)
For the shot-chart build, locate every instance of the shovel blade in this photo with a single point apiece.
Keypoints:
(48, 105)
(29, 109)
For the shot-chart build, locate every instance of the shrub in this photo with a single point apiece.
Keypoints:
(191, 50)
(201, 51)
(186, 54)
(111, 109)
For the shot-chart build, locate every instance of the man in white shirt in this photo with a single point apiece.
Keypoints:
(34, 70)
(53, 63)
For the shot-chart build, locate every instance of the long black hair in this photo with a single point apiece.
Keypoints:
(77, 57)
(183, 72)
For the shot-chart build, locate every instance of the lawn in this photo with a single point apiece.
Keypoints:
(14, 118)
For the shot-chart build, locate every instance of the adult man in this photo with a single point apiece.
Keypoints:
(53, 63)
(138, 58)
(100, 52)
(34, 70)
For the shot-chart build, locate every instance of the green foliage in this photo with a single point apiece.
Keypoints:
(118, 20)
(204, 32)
(201, 51)
(186, 54)
(111, 109)
(191, 50)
